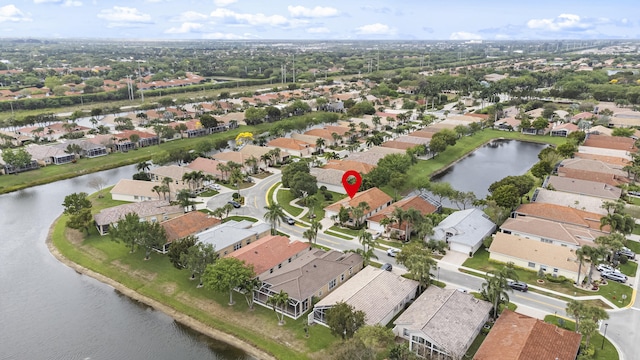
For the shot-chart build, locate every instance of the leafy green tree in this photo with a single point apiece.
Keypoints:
(622, 132)
(402, 352)
(344, 320)
(442, 190)
(127, 231)
(353, 349)
(227, 274)
(197, 258)
(567, 149)
(78, 207)
(178, 248)
(541, 169)
(506, 196)
(247, 288)
(523, 184)
(418, 259)
(437, 145)
(376, 336)
(151, 235)
(303, 183)
(289, 171)
(18, 159)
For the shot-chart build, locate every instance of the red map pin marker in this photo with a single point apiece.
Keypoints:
(351, 187)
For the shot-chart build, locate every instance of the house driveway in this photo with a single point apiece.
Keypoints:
(454, 258)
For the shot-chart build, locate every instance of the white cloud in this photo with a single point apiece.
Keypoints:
(463, 35)
(10, 13)
(377, 28)
(185, 28)
(72, 3)
(318, 30)
(189, 16)
(230, 16)
(316, 12)
(223, 3)
(224, 36)
(120, 16)
(564, 22)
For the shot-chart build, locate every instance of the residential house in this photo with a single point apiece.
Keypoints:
(49, 154)
(374, 154)
(375, 198)
(551, 232)
(583, 187)
(323, 134)
(464, 230)
(10, 169)
(123, 140)
(11, 138)
(600, 130)
(207, 166)
(624, 120)
(137, 191)
(608, 145)
(87, 148)
(507, 124)
(270, 253)
(536, 255)
(309, 139)
(561, 214)
(380, 294)
(423, 203)
(576, 201)
(248, 151)
(233, 235)
(563, 129)
(394, 144)
(331, 178)
(293, 146)
(173, 172)
(519, 337)
(154, 211)
(188, 224)
(442, 323)
(346, 165)
(309, 277)
(614, 161)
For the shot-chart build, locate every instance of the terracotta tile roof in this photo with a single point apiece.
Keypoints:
(188, 224)
(609, 179)
(268, 252)
(563, 214)
(323, 133)
(519, 337)
(374, 197)
(398, 145)
(412, 202)
(126, 134)
(611, 160)
(610, 142)
(289, 143)
(340, 130)
(345, 165)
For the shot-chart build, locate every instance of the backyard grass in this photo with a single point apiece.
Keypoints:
(158, 279)
(618, 294)
(473, 349)
(604, 350)
(284, 198)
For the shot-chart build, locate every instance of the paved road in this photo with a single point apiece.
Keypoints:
(623, 324)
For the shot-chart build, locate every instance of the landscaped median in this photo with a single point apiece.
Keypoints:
(617, 294)
(160, 285)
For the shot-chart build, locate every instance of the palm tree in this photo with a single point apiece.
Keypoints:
(335, 137)
(237, 177)
(227, 209)
(330, 155)
(157, 189)
(224, 169)
(279, 301)
(368, 245)
(315, 227)
(575, 309)
(309, 235)
(274, 215)
(266, 158)
(495, 289)
(143, 166)
(252, 163)
(166, 181)
(320, 142)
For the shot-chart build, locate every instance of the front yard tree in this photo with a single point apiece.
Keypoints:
(303, 183)
(197, 258)
(418, 259)
(274, 215)
(179, 247)
(495, 288)
(227, 274)
(289, 172)
(278, 302)
(78, 207)
(368, 246)
(344, 320)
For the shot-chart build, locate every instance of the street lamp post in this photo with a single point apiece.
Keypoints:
(604, 336)
(438, 278)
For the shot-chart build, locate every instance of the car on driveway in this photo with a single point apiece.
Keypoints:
(235, 204)
(290, 220)
(607, 268)
(518, 285)
(387, 267)
(619, 277)
(392, 252)
(215, 187)
(627, 252)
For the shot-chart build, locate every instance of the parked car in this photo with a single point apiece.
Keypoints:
(290, 220)
(607, 268)
(387, 267)
(392, 252)
(215, 187)
(619, 277)
(235, 204)
(627, 252)
(518, 285)
(376, 235)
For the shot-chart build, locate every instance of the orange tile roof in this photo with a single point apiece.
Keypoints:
(345, 165)
(563, 214)
(340, 130)
(398, 145)
(413, 202)
(374, 197)
(289, 143)
(323, 133)
(610, 142)
(268, 252)
(608, 179)
(188, 224)
(519, 337)
(611, 160)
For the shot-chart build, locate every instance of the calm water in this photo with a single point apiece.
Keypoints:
(48, 311)
(490, 163)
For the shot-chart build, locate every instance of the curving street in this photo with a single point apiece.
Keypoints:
(621, 328)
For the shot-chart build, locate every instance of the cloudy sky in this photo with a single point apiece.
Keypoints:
(326, 20)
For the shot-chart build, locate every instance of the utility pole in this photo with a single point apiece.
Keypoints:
(140, 75)
(294, 67)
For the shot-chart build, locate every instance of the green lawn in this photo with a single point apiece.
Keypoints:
(158, 279)
(634, 245)
(613, 291)
(345, 231)
(629, 268)
(239, 218)
(604, 350)
(284, 198)
(339, 235)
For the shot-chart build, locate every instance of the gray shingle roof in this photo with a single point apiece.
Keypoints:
(467, 226)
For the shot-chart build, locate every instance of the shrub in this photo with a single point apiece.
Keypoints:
(235, 196)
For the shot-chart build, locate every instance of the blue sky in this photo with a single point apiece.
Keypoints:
(327, 20)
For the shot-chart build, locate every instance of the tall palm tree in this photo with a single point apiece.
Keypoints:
(308, 234)
(224, 169)
(279, 301)
(165, 182)
(143, 166)
(157, 189)
(266, 158)
(274, 215)
(252, 163)
(320, 142)
(315, 227)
